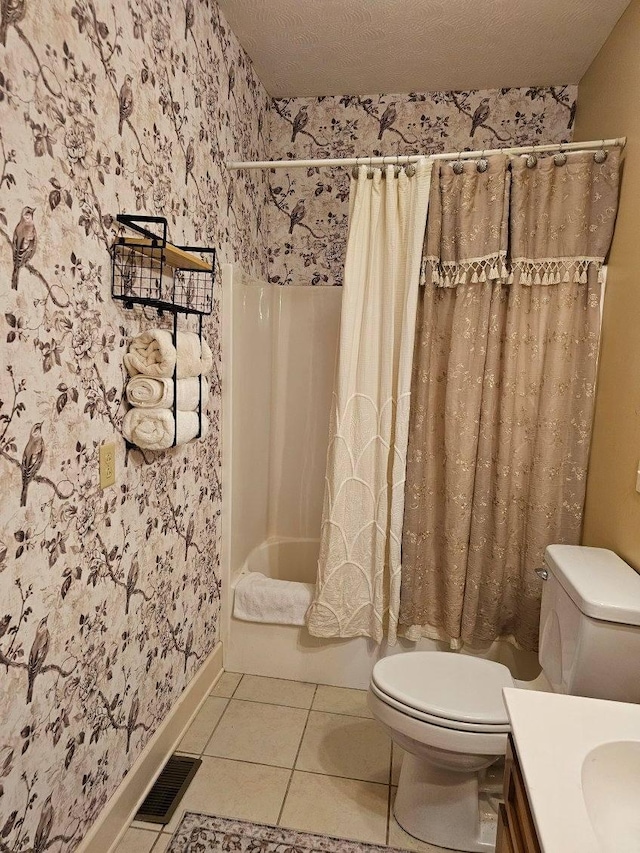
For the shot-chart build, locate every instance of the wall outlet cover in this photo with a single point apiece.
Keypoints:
(107, 465)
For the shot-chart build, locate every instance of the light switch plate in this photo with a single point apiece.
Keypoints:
(107, 465)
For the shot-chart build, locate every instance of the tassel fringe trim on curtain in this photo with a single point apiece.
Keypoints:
(493, 267)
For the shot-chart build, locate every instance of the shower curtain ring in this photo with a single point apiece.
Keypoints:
(531, 161)
(370, 170)
(482, 165)
(458, 165)
(560, 158)
(355, 169)
(398, 167)
(600, 156)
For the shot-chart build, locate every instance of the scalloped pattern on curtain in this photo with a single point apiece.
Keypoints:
(358, 588)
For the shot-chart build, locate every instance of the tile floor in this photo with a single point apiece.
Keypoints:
(290, 753)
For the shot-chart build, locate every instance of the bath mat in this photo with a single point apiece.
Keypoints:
(203, 833)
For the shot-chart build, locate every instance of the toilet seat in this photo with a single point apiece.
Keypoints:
(433, 720)
(445, 689)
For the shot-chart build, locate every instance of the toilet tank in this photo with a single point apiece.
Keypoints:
(589, 641)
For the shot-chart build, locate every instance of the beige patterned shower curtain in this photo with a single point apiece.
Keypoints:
(502, 390)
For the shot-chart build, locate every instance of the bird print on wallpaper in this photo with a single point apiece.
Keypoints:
(32, 458)
(232, 81)
(188, 646)
(300, 121)
(45, 825)
(387, 119)
(189, 17)
(11, 13)
(480, 115)
(25, 241)
(132, 580)
(190, 155)
(132, 718)
(37, 655)
(125, 100)
(188, 537)
(297, 215)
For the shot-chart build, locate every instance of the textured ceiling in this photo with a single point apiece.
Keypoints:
(325, 47)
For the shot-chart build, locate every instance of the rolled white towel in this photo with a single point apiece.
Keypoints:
(149, 392)
(152, 353)
(188, 395)
(207, 358)
(189, 355)
(154, 429)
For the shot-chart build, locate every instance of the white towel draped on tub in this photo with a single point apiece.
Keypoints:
(148, 392)
(154, 429)
(262, 599)
(152, 353)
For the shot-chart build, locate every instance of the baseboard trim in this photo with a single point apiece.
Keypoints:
(121, 808)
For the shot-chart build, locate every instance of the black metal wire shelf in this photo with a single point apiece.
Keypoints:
(138, 277)
(140, 264)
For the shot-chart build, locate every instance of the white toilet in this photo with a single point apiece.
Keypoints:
(446, 710)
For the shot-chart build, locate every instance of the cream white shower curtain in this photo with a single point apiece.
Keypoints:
(358, 588)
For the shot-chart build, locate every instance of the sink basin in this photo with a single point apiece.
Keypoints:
(611, 791)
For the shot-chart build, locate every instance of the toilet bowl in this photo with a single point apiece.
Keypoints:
(446, 710)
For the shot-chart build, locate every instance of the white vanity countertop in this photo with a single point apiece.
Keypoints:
(553, 735)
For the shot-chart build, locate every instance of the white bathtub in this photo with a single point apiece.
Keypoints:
(288, 651)
(285, 560)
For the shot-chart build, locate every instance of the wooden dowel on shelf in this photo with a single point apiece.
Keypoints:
(171, 255)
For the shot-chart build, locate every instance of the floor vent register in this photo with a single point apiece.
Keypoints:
(168, 789)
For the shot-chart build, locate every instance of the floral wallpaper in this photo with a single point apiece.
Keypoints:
(108, 599)
(308, 208)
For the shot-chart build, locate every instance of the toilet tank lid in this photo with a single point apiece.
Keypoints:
(600, 583)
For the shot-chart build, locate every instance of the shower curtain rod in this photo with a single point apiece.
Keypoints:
(393, 160)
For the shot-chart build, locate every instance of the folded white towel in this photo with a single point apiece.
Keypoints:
(152, 353)
(261, 599)
(154, 429)
(149, 392)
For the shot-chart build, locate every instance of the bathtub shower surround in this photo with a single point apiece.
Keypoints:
(308, 208)
(279, 357)
(101, 627)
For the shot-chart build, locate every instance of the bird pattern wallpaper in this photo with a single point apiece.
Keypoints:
(309, 207)
(109, 599)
